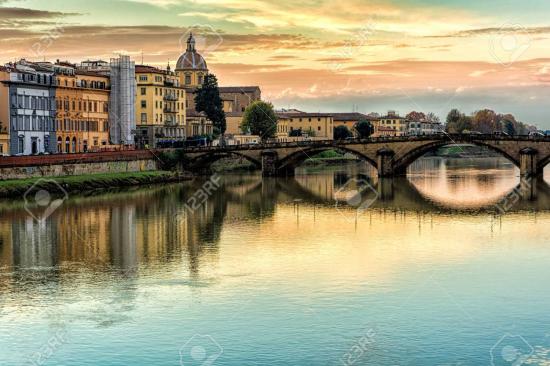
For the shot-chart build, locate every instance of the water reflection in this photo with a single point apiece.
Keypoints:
(280, 252)
(128, 228)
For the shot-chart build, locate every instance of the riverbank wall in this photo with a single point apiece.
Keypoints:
(26, 167)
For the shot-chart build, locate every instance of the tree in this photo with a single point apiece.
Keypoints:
(295, 133)
(341, 133)
(416, 116)
(259, 119)
(432, 117)
(485, 121)
(208, 100)
(363, 128)
(453, 116)
(508, 127)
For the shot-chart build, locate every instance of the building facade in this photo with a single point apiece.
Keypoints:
(318, 126)
(160, 107)
(82, 118)
(4, 112)
(28, 92)
(392, 121)
(349, 120)
(122, 110)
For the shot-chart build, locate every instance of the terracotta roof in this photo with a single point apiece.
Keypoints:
(239, 89)
(148, 69)
(301, 114)
(351, 116)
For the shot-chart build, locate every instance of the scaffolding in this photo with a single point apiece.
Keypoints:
(122, 115)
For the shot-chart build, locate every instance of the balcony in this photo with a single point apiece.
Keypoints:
(170, 123)
(170, 110)
(168, 82)
(171, 97)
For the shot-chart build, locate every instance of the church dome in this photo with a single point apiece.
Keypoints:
(191, 59)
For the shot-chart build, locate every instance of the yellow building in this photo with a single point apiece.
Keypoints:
(318, 126)
(160, 107)
(389, 122)
(82, 118)
(4, 113)
(350, 120)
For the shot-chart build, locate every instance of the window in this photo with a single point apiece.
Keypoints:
(200, 79)
(143, 91)
(143, 104)
(144, 118)
(187, 79)
(143, 78)
(21, 145)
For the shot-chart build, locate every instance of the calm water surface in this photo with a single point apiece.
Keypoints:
(436, 269)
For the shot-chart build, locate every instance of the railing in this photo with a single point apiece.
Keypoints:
(169, 110)
(171, 97)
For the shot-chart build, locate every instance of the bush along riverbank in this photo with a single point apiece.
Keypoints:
(83, 183)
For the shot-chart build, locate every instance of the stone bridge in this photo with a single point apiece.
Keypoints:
(389, 155)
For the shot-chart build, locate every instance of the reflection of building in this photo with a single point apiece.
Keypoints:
(34, 243)
(160, 106)
(123, 236)
(27, 108)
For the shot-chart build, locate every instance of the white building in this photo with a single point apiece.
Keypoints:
(32, 109)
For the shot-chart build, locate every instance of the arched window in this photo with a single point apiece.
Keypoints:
(59, 144)
(74, 145)
(67, 145)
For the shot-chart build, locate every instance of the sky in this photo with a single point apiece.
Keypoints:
(316, 55)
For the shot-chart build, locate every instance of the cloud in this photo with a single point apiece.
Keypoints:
(23, 13)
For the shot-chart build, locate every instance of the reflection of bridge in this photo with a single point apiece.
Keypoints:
(390, 155)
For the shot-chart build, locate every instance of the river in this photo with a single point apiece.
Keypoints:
(448, 266)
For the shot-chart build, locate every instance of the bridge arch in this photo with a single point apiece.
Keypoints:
(204, 161)
(402, 162)
(295, 159)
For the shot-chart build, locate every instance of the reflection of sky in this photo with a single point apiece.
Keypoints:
(467, 187)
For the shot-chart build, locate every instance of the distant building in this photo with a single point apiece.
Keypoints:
(392, 122)
(160, 107)
(350, 120)
(122, 111)
(319, 126)
(28, 109)
(191, 69)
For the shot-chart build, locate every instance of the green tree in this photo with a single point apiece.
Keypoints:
(295, 133)
(341, 133)
(363, 128)
(259, 119)
(208, 100)
(508, 126)
(453, 116)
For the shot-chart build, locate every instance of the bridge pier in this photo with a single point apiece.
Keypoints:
(528, 162)
(269, 163)
(385, 189)
(385, 162)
